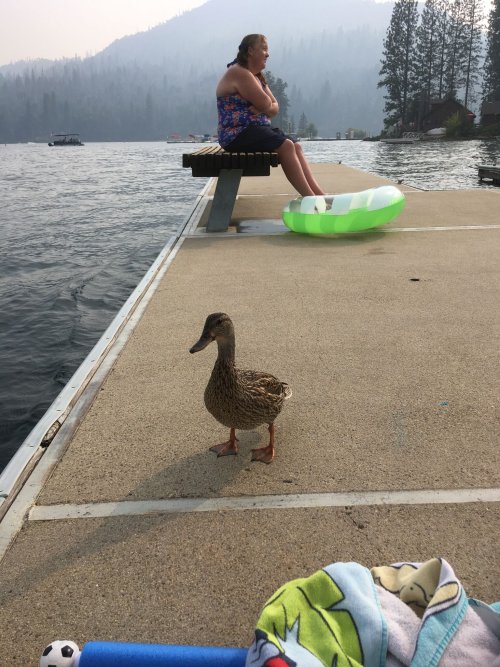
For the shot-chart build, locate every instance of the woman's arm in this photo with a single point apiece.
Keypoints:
(249, 87)
(275, 106)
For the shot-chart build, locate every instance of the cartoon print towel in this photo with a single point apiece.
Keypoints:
(406, 614)
(430, 621)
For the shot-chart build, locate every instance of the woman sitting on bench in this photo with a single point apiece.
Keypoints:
(245, 106)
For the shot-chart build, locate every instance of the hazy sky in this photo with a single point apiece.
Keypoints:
(65, 28)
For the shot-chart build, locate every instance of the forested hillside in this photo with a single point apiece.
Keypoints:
(162, 81)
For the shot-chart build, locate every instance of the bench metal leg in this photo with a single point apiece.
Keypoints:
(224, 198)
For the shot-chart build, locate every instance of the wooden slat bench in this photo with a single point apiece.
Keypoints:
(229, 168)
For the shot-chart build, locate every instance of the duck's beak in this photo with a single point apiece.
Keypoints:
(205, 340)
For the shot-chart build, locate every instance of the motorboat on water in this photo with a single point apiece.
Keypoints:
(65, 140)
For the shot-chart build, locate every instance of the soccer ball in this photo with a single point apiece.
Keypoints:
(60, 654)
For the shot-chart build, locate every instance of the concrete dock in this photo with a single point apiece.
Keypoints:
(129, 529)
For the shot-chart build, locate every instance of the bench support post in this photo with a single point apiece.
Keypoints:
(228, 183)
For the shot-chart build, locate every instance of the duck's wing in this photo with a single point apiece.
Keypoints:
(261, 384)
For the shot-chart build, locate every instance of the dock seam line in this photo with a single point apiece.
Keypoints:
(290, 501)
(283, 232)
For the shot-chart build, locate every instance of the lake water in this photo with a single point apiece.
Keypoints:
(80, 226)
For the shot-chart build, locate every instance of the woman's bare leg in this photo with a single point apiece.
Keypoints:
(293, 169)
(306, 169)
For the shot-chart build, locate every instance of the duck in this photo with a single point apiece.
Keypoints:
(236, 398)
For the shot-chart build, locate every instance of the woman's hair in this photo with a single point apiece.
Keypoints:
(242, 55)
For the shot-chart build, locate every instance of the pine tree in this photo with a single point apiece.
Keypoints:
(443, 34)
(311, 131)
(491, 91)
(427, 57)
(456, 49)
(303, 123)
(278, 87)
(396, 70)
(473, 23)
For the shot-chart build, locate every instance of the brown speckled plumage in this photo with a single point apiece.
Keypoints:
(239, 399)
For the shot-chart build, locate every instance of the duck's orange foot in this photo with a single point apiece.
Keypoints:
(225, 448)
(263, 454)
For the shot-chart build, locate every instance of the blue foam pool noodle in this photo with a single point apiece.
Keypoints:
(122, 654)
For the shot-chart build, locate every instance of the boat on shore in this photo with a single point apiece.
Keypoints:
(192, 139)
(71, 139)
(406, 138)
(414, 137)
(399, 140)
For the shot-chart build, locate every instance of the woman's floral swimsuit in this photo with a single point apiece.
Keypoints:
(234, 116)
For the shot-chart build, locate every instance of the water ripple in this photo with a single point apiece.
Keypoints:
(429, 165)
(80, 227)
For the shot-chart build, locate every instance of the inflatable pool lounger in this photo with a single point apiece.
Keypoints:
(344, 213)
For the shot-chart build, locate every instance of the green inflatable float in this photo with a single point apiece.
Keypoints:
(344, 213)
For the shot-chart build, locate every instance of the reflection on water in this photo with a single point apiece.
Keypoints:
(430, 165)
